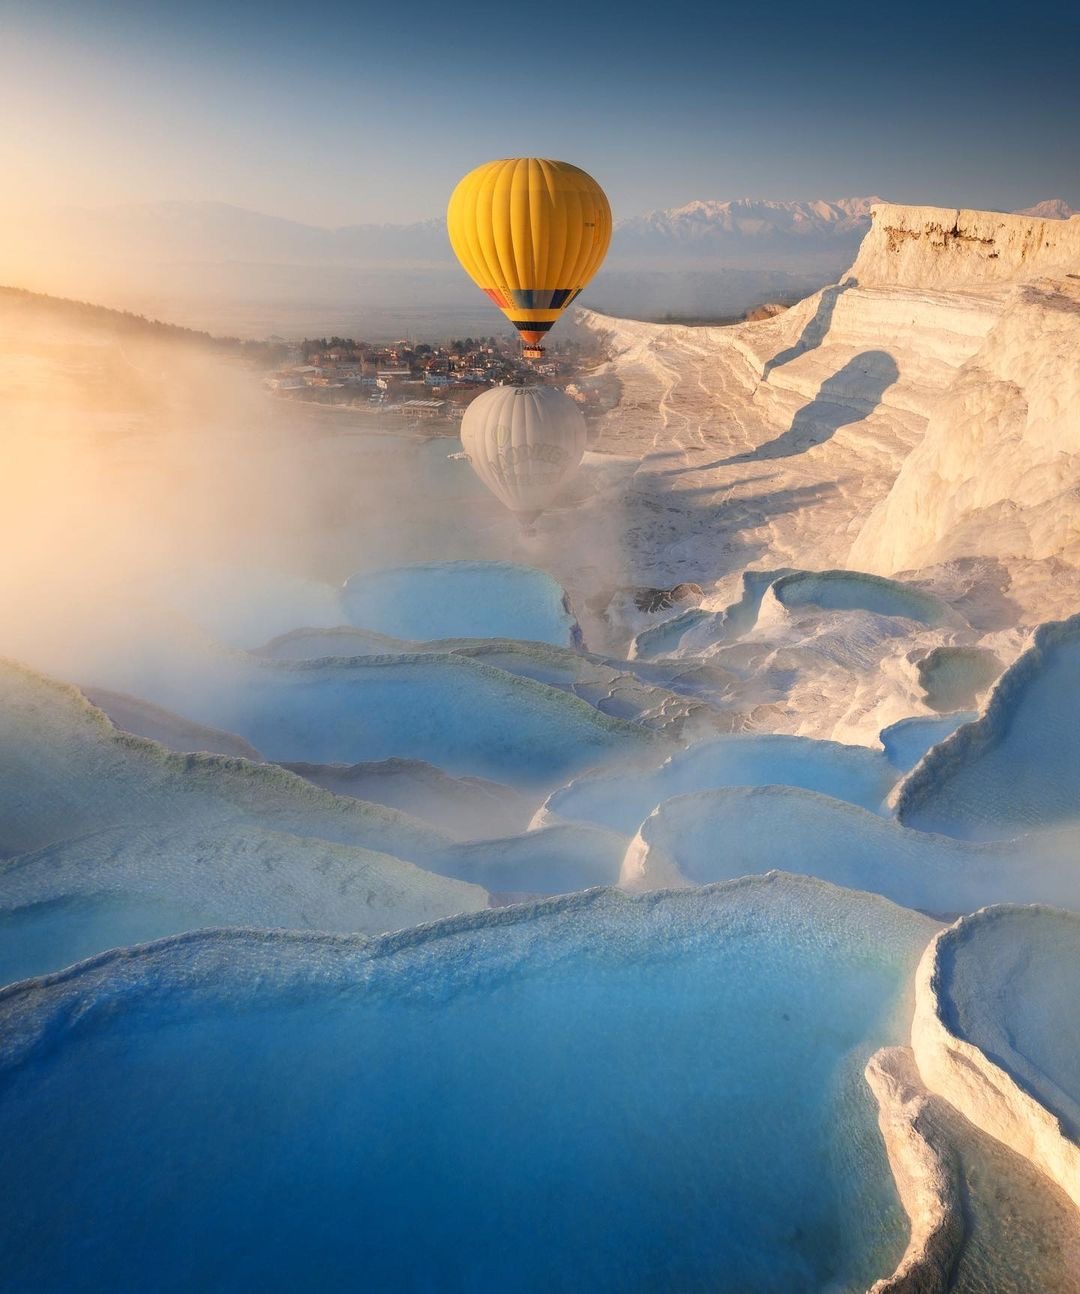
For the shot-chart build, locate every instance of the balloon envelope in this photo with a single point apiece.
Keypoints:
(524, 443)
(531, 233)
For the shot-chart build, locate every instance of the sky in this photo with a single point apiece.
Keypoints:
(352, 113)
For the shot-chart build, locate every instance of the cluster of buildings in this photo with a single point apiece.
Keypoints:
(414, 380)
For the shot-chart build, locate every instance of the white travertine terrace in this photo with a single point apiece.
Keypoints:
(926, 1173)
(996, 1093)
(919, 412)
(717, 834)
(87, 811)
(981, 1216)
(464, 1000)
(1014, 768)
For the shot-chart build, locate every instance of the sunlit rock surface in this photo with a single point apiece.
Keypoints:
(997, 1033)
(461, 600)
(818, 653)
(999, 461)
(926, 1170)
(983, 1220)
(694, 631)
(719, 834)
(1016, 768)
(912, 415)
(503, 1122)
(623, 800)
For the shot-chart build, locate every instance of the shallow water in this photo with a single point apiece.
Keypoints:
(1018, 772)
(460, 600)
(42, 937)
(610, 1108)
(1010, 985)
(854, 591)
(449, 710)
(622, 801)
(907, 741)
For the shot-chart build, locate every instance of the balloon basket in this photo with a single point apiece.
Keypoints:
(532, 352)
(527, 524)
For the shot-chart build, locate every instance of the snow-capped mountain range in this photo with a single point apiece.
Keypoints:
(754, 220)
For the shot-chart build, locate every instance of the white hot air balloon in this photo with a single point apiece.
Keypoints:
(524, 443)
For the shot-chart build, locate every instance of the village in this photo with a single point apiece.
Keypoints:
(417, 381)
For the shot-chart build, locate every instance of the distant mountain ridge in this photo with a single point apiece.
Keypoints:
(232, 271)
(1049, 209)
(216, 232)
(741, 231)
(700, 224)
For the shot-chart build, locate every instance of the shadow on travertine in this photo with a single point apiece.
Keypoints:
(731, 533)
(850, 395)
(816, 328)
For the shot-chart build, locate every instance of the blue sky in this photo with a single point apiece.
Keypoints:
(341, 113)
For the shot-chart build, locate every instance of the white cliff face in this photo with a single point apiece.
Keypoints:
(998, 469)
(996, 472)
(779, 438)
(918, 419)
(938, 247)
(722, 226)
(942, 363)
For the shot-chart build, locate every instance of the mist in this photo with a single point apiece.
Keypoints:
(161, 510)
(240, 273)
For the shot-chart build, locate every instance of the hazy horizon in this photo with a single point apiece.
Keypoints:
(232, 271)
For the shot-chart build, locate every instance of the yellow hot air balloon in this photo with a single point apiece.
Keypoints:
(531, 233)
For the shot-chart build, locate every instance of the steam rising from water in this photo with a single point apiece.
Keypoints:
(154, 498)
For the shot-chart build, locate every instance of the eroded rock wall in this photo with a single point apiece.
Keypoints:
(950, 248)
